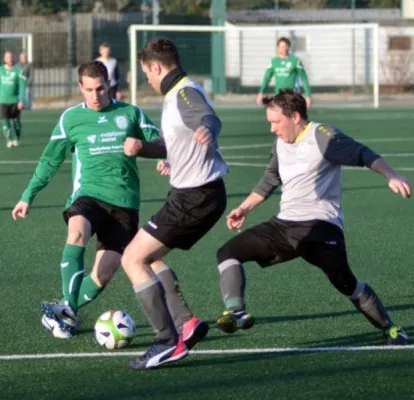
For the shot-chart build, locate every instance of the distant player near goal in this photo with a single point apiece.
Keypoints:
(287, 70)
(306, 159)
(12, 98)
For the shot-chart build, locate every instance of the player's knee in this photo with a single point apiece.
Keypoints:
(345, 282)
(226, 252)
(77, 238)
(131, 259)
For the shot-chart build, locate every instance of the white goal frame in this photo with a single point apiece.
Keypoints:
(27, 42)
(133, 44)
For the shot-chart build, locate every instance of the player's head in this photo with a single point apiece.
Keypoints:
(105, 50)
(287, 114)
(94, 84)
(283, 47)
(157, 58)
(8, 58)
(23, 58)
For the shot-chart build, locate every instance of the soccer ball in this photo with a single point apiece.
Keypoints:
(114, 329)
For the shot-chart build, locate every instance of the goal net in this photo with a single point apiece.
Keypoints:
(341, 60)
(17, 43)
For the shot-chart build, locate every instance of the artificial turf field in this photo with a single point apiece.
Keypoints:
(295, 307)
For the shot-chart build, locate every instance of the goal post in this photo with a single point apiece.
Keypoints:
(341, 60)
(20, 42)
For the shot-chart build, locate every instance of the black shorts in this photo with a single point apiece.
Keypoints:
(9, 111)
(112, 91)
(277, 241)
(188, 214)
(114, 226)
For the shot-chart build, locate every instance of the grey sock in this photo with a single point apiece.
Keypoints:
(232, 284)
(150, 294)
(367, 302)
(179, 310)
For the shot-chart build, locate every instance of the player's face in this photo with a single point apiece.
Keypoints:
(282, 126)
(95, 92)
(105, 52)
(8, 58)
(153, 73)
(283, 49)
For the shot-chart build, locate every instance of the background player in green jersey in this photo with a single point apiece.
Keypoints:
(12, 98)
(106, 190)
(286, 69)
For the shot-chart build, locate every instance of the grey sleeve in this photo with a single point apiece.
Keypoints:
(153, 149)
(271, 178)
(195, 111)
(340, 149)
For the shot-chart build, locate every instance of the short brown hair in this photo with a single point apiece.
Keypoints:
(289, 101)
(93, 69)
(105, 44)
(162, 50)
(284, 39)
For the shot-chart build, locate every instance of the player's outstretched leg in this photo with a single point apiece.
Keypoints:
(72, 271)
(191, 328)
(168, 346)
(368, 303)
(232, 284)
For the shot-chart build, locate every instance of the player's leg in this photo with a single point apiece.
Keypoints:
(191, 328)
(264, 243)
(136, 261)
(5, 124)
(106, 264)
(325, 248)
(83, 217)
(17, 126)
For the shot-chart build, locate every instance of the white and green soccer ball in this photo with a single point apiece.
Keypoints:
(114, 329)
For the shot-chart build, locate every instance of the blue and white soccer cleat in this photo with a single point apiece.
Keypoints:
(59, 319)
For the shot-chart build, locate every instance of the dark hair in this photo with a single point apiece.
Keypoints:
(162, 50)
(93, 69)
(105, 44)
(284, 39)
(289, 101)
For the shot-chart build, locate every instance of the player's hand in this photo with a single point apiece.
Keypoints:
(401, 185)
(132, 146)
(203, 135)
(163, 168)
(20, 106)
(236, 218)
(308, 102)
(21, 210)
(259, 99)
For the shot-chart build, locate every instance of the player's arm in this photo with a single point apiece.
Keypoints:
(22, 88)
(146, 141)
(198, 115)
(303, 77)
(52, 158)
(268, 75)
(266, 186)
(340, 149)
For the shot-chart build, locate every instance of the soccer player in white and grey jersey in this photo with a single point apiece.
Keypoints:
(197, 200)
(306, 160)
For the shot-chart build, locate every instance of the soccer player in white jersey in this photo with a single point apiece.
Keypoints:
(306, 160)
(112, 66)
(197, 200)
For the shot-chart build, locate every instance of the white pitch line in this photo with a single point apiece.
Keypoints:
(274, 350)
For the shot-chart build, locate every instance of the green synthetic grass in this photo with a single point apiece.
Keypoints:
(294, 304)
